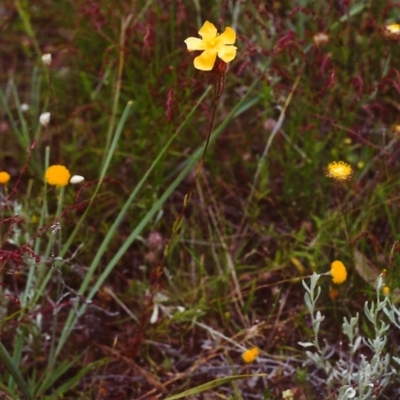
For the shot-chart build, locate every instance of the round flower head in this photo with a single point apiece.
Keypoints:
(392, 31)
(250, 355)
(386, 290)
(338, 272)
(57, 175)
(4, 177)
(46, 58)
(76, 179)
(339, 170)
(212, 44)
(44, 118)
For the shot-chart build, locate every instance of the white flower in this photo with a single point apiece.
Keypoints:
(154, 315)
(24, 107)
(157, 300)
(76, 179)
(44, 118)
(46, 58)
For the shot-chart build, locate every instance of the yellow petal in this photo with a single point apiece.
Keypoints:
(193, 43)
(205, 61)
(228, 36)
(227, 53)
(208, 31)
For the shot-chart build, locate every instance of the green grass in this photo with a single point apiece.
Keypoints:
(131, 114)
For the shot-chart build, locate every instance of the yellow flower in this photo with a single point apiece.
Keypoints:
(213, 45)
(4, 177)
(250, 355)
(392, 32)
(339, 170)
(393, 28)
(57, 175)
(386, 290)
(338, 272)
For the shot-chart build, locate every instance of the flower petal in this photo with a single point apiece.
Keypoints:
(205, 61)
(227, 53)
(193, 43)
(208, 31)
(228, 36)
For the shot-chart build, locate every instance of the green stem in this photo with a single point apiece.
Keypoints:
(56, 247)
(124, 25)
(15, 373)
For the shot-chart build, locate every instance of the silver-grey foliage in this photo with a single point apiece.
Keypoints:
(367, 367)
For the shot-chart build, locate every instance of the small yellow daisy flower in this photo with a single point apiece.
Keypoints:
(338, 272)
(250, 355)
(4, 177)
(57, 175)
(386, 290)
(212, 44)
(392, 31)
(339, 171)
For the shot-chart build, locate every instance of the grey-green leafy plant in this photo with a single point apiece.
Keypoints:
(367, 368)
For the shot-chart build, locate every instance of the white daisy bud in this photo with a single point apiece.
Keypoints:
(76, 179)
(44, 118)
(46, 58)
(154, 315)
(24, 107)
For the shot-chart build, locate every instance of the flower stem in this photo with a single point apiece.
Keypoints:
(157, 273)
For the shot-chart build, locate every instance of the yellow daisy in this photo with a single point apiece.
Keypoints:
(212, 44)
(338, 272)
(4, 177)
(250, 355)
(57, 175)
(339, 170)
(392, 31)
(386, 290)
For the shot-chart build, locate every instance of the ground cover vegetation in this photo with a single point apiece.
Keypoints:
(199, 199)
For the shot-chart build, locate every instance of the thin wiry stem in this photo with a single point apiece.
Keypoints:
(157, 273)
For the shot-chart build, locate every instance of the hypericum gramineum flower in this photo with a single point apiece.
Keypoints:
(57, 175)
(4, 177)
(250, 355)
(339, 170)
(338, 272)
(213, 45)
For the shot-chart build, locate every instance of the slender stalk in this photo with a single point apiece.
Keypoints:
(121, 47)
(56, 231)
(157, 273)
(8, 362)
(346, 226)
(28, 26)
